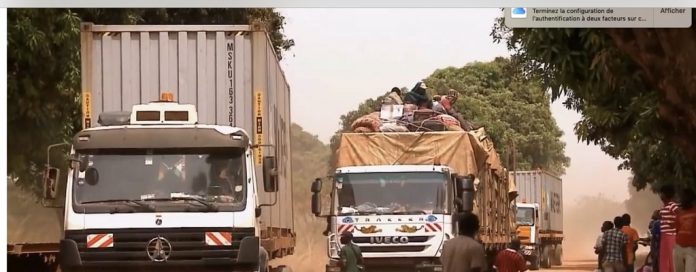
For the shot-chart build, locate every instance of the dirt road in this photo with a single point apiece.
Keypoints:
(583, 265)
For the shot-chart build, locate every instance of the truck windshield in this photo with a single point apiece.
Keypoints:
(391, 193)
(179, 179)
(525, 216)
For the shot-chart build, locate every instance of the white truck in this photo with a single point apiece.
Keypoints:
(202, 183)
(540, 217)
(399, 193)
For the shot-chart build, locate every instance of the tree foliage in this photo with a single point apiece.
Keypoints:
(511, 107)
(633, 87)
(43, 66)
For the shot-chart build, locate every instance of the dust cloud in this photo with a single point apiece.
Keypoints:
(584, 216)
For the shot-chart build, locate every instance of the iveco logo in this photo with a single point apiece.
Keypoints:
(158, 221)
(389, 240)
(158, 249)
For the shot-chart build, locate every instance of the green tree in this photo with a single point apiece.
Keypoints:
(633, 87)
(512, 108)
(497, 96)
(43, 66)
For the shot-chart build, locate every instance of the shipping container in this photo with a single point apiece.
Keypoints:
(232, 75)
(545, 189)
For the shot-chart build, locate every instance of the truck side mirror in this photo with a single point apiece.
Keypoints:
(465, 189)
(270, 174)
(316, 204)
(50, 182)
(316, 186)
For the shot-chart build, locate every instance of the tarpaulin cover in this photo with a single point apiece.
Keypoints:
(458, 150)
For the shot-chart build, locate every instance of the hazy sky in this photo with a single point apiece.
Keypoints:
(344, 56)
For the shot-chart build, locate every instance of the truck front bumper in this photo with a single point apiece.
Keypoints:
(393, 264)
(247, 258)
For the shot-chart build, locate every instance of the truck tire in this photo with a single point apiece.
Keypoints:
(281, 268)
(535, 262)
(263, 260)
(545, 257)
(557, 255)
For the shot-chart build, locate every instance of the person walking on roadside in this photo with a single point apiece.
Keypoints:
(685, 248)
(654, 229)
(607, 225)
(351, 256)
(510, 260)
(632, 244)
(668, 233)
(614, 245)
(462, 253)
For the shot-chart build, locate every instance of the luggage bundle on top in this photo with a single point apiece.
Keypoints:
(399, 118)
(413, 113)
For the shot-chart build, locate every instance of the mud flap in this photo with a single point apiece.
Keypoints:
(249, 251)
(68, 255)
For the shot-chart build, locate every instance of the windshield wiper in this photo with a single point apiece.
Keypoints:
(137, 203)
(209, 206)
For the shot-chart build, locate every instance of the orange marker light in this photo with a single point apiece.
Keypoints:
(167, 97)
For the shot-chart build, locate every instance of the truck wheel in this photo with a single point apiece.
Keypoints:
(558, 255)
(534, 263)
(281, 268)
(545, 259)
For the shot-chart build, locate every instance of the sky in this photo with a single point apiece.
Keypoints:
(344, 56)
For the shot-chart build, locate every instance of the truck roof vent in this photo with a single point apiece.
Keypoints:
(114, 118)
(164, 112)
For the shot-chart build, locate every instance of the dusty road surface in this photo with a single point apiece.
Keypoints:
(577, 265)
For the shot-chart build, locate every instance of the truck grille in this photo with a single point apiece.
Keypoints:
(411, 239)
(378, 249)
(186, 244)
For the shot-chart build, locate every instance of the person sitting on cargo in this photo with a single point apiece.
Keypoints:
(417, 95)
(446, 106)
(446, 103)
(394, 97)
(436, 100)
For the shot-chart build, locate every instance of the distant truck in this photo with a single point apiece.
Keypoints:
(399, 193)
(540, 217)
(184, 157)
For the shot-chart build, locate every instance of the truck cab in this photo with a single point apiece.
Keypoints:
(527, 217)
(399, 215)
(152, 188)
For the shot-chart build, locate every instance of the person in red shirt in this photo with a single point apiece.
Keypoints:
(684, 257)
(668, 215)
(510, 260)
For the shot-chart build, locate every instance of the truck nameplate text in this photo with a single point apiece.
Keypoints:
(389, 240)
